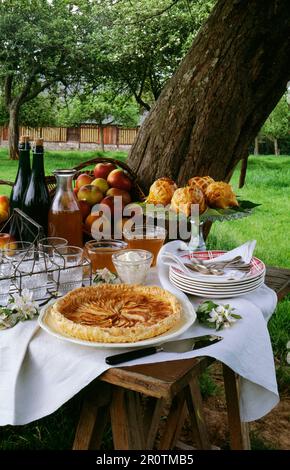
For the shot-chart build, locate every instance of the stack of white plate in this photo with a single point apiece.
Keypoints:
(233, 283)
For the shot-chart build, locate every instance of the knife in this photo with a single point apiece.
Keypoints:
(179, 346)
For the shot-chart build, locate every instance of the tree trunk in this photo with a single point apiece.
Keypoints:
(213, 107)
(243, 172)
(256, 149)
(276, 148)
(13, 130)
(102, 141)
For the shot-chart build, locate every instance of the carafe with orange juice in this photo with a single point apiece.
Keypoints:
(64, 217)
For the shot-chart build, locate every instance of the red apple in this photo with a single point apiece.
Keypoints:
(90, 193)
(76, 192)
(101, 184)
(109, 201)
(90, 220)
(83, 180)
(101, 228)
(120, 192)
(4, 215)
(102, 170)
(4, 203)
(118, 179)
(85, 208)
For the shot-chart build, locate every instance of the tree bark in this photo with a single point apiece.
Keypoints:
(213, 107)
(256, 149)
(13, 131)
(243, 172)
(276, 147)
(102, 142)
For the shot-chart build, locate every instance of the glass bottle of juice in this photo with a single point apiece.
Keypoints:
(37, 199)
(64, 217)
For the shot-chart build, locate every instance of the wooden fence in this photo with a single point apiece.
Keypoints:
(86, 134)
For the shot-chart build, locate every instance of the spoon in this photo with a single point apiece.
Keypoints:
(195, 266)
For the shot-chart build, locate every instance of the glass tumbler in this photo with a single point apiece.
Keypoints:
(47, 245)
(30, 268)
(100, 253)
(146, 237)
(67, 271)
(5, 280)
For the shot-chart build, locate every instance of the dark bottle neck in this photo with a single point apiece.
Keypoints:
(37, 162)
(24, 157)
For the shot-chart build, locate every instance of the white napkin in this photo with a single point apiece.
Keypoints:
(245, 251)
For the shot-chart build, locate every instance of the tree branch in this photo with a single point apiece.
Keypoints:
(26, 89)
(154, 15)
(8, 90)
(36, 91)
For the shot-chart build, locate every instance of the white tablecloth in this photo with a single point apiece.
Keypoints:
(38, 372)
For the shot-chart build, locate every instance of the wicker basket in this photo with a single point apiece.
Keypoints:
(136, 192)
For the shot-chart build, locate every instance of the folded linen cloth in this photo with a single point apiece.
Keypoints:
(245, 251)
(39, 373)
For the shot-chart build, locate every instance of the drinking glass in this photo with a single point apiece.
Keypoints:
(31, 273)
(5, 280)
(47, 245)
(100, 253)
(67, 272)
(146, 237)
(17, 251)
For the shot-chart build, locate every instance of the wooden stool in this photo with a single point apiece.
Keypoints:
(170, 388)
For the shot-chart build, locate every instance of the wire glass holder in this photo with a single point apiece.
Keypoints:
(50, 276)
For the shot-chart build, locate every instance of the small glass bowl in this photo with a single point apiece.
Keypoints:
(132, 265)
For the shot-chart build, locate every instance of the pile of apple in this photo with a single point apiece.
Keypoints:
(4, 208)
(108, 182)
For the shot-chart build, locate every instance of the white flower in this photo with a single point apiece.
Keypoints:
(214, 316)
(24, 305)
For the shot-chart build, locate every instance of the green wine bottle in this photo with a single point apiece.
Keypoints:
(37, 199)
(21, 182)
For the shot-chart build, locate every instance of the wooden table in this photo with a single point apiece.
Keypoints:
(169, 388)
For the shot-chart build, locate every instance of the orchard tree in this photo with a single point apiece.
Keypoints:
(42, 43)
(141, 43)
(212, 108)
(103, 107)
(277, 124)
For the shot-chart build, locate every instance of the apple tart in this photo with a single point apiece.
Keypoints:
(117, 313)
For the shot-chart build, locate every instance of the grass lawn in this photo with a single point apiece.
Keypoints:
(267, 183)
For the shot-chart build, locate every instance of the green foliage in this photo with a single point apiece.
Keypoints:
(279, 328)
(141, 43)
(208, 387)
(278, 123)
(42, 111)
(99, 107)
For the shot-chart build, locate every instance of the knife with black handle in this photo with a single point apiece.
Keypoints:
(178, 346)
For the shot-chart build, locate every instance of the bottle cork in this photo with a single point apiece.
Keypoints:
(24, 138)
